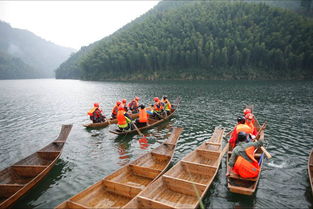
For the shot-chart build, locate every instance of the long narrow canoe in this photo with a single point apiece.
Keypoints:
(117, 189)
(19, 178)
(310, 169)
(244, 186)
(186, 183)
(107, 122)
(151, 122)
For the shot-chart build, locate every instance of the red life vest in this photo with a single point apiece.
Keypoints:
(158, 106)
(143, 116)
(121, 119)
(246, 169)
(115, 110)
(250, 124)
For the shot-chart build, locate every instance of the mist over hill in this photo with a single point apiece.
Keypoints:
(26, 55)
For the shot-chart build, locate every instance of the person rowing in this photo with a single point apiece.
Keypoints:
(123, 119)
(133, 105)
(241, 126)
(242, 161)
(96, 114)
(115, 110)
(157, 108)
(167, 105)
(142, 120)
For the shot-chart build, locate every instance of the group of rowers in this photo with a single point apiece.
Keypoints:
(242, 161)
(121, 111)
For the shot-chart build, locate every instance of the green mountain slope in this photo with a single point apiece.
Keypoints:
(205, 40)
(41, 55)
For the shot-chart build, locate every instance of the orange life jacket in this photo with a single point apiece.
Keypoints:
(158, 106)
(250, 124)
(121, 119)
(90, 112)
(115, 110)
(238, 128)
(143, 116)
(246, 169)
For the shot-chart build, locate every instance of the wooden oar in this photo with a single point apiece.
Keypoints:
(268, 155)
(137, 129)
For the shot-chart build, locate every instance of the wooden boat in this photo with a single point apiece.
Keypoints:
(186, 183)
(310, 169)
(151, 122)
(107, 122)
(19, 178)
(239, 185)
(117, 189)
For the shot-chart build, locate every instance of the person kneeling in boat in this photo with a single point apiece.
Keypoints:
(242, 161)
(115, 110)
(96, 114)
(167, 105)
(240, 127)
(142, 120)
(123, 119)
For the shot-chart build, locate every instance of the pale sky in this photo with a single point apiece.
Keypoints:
(72, 23)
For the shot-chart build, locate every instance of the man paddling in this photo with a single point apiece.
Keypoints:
(240, 127)
(96, 114)
(143, 117)
(115, 110)
(242, 161)
(123, 120)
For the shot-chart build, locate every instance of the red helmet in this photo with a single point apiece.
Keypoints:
(124, 101)
(137, 98)
(249, 116)
(121, 107)
(96, 104)
(118, 103)
(246, 111)
(156, 99)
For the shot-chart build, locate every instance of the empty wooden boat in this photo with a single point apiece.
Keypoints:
(117, 189)
(186, 183)
(19, 178)
(107, 122)
(245, 186)
(310, 169)
(151, 122)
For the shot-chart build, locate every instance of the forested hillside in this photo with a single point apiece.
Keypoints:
(204, 40)
(37, 58)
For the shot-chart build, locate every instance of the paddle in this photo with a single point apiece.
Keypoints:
(268, 155)
(137, 129)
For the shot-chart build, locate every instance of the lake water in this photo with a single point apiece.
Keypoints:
(32, 112)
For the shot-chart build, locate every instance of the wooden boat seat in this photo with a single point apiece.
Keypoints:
(55, 142)
(149, 203)
(183, 186)
(121, 189)
(145, 171)
(6, 190)
(236, 176)
(74, 205)
(28, 170)
(161, 156)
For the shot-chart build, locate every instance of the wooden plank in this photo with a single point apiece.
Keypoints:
(240, 190)
(48, 155)
(198, 168)
(144, 171)
(144, 202)
(74, 205)
(160, 156)
(208, 154)
(183, 186)
(6, 190)
(121, 189)
(28, 170)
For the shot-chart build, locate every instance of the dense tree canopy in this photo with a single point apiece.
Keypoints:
(203, 40)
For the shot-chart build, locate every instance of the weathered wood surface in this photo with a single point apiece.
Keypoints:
(117, 189)
(19, 178)
(184, 185)
(151, 122)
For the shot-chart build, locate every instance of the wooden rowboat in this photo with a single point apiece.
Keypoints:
(186, 183)
(151, 122)
(244, 186)
(19, 178)
(107, 122)
(117, 189)
(310, 169)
